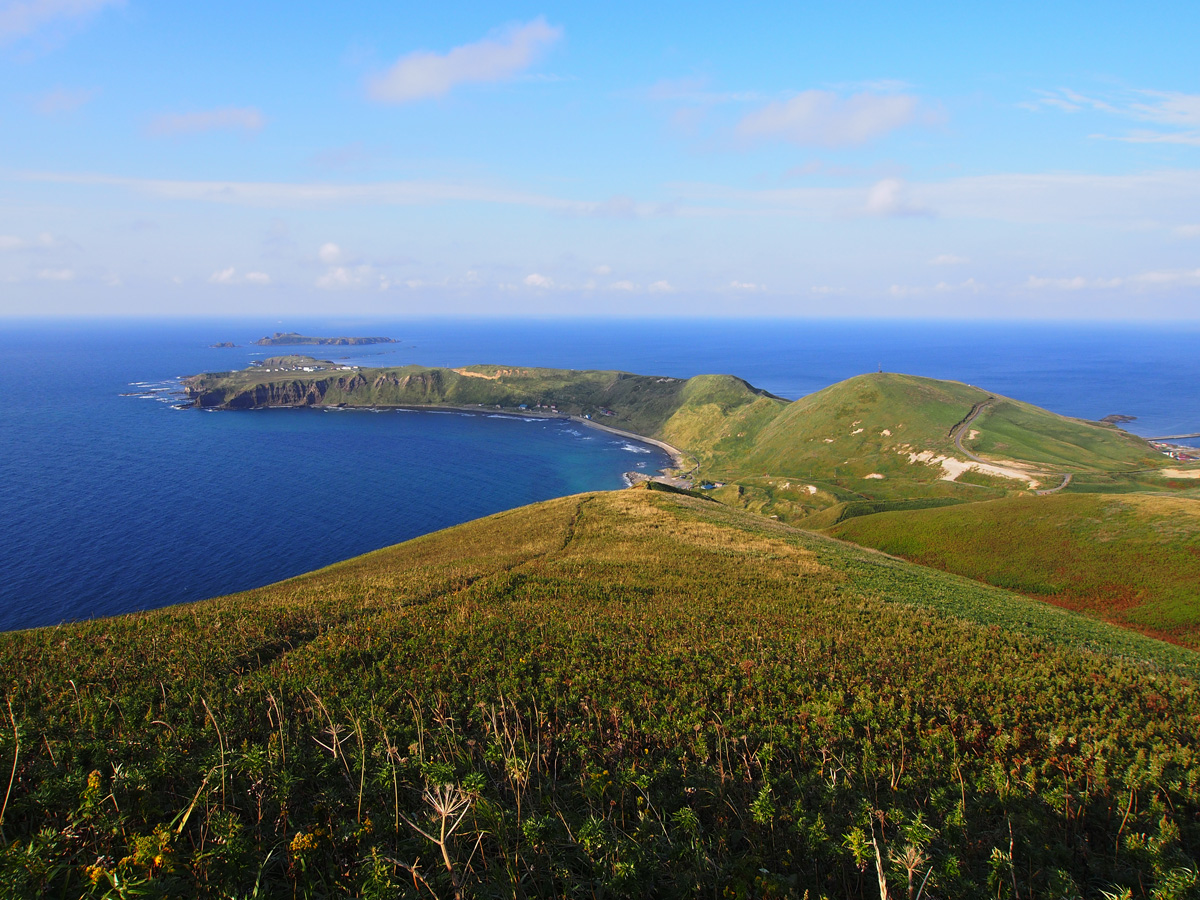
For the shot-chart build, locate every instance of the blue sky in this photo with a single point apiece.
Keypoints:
(820, 159)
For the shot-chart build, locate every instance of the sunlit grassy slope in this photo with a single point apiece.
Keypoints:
(636, 693)
(869, 424)
(1132, 559)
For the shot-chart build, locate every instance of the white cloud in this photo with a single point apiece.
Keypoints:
(822, 118)
(538, 281)
(622, 286)
(1188, 231)
(748, 287)
(661, 287)
(603, 270)
(44, 241)
(56, 275)
(1188, 277)
(1077, 283)
(231, 276)
(826, 289)
(62, 100)
(330, 254)
(424, 74)
(227, 119)
(888, 197)
(948, 259)
(902, 291)
(970, 285)
(21, 18)
(343, 277)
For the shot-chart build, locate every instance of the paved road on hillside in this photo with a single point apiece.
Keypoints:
(961, 429)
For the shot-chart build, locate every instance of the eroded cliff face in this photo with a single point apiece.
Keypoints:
(422, 385)
(276, 393)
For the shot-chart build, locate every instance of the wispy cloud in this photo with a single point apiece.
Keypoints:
(1166, 199)
(1172, 109)
(948, 259)
(227, 119)
(695, 91)
(61, 101)
(386, 193)
(825, 119)
(422, 74)
(1077, 283)
(969, 286)
(351, 277)
(889, 197)
(22, 18)
(232, 276)
(44, 241)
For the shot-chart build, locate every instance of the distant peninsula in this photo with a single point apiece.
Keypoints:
(291, 338)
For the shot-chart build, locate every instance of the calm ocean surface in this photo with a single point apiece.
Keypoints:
(115, 503)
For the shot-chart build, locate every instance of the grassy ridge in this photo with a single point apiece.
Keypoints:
(627, 694)
(1009, 429)
(861, 439)
(654, 406)
(1132, 559)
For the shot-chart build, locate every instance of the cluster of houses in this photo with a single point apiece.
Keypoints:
(1182, 454)
(299, 368)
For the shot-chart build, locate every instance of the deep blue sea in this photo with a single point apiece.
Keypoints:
(114, 503)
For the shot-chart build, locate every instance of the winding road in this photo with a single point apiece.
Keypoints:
(961, 428)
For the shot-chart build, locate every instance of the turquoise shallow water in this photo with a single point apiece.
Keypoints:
(115, 503)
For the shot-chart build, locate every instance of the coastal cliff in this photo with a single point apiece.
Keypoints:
(881, 437)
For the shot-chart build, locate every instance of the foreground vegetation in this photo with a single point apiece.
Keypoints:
(1133, 559)
(626, 694)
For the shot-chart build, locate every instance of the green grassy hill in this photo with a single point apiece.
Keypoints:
(1131, 559)
(874, 437)
(653, 406)
(872, 423)
(637, 693)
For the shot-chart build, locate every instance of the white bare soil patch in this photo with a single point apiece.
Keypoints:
(952, 468)
(874, 475)
(1180, 473)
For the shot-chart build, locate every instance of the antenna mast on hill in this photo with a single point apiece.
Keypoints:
(881, 368)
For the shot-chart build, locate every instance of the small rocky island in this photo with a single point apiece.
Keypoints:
(291, 338)
(222, 345)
